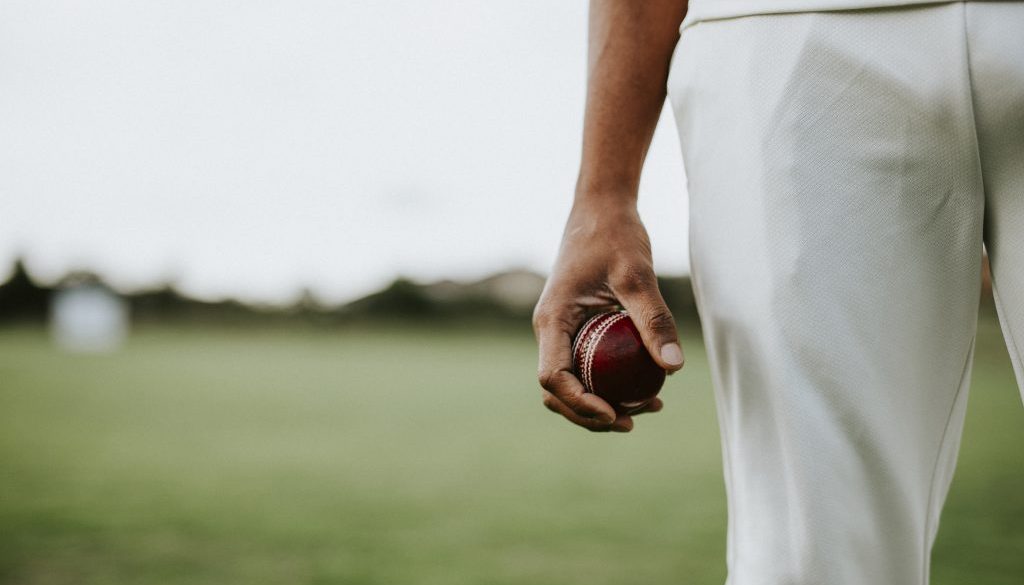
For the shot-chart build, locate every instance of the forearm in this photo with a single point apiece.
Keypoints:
(630, 46)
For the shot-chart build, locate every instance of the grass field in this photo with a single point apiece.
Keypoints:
(206, 456)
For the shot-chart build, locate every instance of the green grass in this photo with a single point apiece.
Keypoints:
(289, 456)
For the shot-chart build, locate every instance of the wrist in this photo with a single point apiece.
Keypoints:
(594, 211)
(606, 197)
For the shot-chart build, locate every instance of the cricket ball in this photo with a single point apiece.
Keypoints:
(610, 358)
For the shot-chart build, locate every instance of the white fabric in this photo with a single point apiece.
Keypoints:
(843, 169)
(700, 10)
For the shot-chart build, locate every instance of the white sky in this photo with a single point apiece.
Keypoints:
(248, 149)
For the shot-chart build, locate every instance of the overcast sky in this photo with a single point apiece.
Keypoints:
(248, 149)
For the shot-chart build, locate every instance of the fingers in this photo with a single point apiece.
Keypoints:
(654, 405)
(638, 292)
(554, 336)
(621, 424)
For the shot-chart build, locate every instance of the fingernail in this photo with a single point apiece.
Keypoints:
(605, 419)
(672, 354)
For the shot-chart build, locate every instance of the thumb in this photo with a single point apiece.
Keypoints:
(657, 328)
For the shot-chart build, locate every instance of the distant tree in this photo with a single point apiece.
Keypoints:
(505, 297)
(402, 298)
(21, 299)
(160, 303)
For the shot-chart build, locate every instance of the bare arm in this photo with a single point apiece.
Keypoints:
(629, 50)
(605, 256)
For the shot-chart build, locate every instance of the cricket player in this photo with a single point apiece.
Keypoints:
(846, 162)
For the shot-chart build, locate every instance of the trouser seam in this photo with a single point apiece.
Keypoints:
(929, 520)
(938, 458)
(1011, 343)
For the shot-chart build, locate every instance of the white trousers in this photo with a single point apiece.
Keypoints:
(844, 170)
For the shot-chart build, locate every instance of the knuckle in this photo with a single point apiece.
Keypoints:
(541, 316)
(547, 316)
(549, 378)
(562, 391)
(632, 278)
(658, 319)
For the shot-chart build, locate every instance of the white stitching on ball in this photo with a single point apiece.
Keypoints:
(582, 337)
(591, 348)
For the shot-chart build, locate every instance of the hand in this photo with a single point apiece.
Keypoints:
(604, 261)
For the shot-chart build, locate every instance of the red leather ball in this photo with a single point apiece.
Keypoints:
(610, 359)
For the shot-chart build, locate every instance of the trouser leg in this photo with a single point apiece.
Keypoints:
(996, 40)
(836, 219)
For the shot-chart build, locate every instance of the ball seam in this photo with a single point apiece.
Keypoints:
(591, 349)
(584, 335)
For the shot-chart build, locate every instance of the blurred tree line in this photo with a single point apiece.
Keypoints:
(507, 297)
(503, 298)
